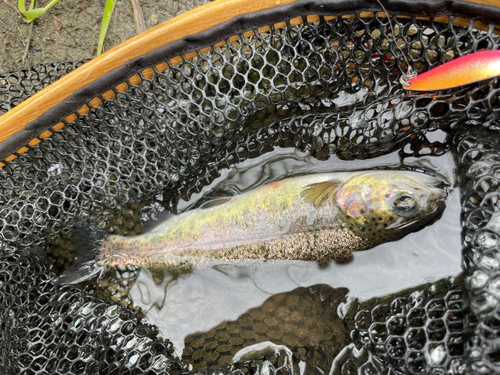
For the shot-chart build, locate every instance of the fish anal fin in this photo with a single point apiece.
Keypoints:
(214, 202)
(318, 193)
(342, 256)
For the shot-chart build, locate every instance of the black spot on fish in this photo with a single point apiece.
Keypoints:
(362, 229)
(362, 212)
(391, 218)
(380, 218)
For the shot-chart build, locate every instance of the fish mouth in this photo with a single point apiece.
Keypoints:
(436, 213)
(439, 195)
(433, 196)
(437, 200)
(431, 217)
(437, 207)
(439, 189)
(436, 188)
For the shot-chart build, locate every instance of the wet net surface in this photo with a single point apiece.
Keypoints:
(329, 87)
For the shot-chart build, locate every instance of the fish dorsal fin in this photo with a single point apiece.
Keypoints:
(214, 202)
(318, 193)
(159, 219)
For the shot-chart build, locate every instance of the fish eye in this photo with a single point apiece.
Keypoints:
(404, 198)
(405, 205)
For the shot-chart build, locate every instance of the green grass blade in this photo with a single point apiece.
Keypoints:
(21, 6)
(33, 14)
(50, 5)
(108, 11)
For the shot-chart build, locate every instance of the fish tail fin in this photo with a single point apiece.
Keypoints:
(86, 263)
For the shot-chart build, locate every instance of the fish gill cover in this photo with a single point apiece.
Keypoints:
(329, 87)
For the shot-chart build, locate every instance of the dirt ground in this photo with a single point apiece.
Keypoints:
(69, 31)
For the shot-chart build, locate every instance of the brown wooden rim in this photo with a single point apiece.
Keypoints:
(189, 23)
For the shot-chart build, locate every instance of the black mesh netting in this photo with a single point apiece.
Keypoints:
(329, 87)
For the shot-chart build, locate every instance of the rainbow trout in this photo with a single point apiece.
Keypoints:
(319, 217)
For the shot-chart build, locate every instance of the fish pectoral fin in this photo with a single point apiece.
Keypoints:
(214, 202)
(318, 193)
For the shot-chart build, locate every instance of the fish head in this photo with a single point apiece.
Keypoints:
(386, 205)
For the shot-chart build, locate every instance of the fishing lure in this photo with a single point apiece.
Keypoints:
(462, 71)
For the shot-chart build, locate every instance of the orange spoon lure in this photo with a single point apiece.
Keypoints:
(464, 70)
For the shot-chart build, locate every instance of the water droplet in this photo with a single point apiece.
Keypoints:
(403, 109)
(131, 343)
(494, 223)
(489, 262)
(115, 327)
(87, 309)
(112, 310)
(133, 359)
(159, 364)
(437, 355)
(494, 287)
(387, 116)
(483, 304)
(144, 345)
(486, 239)
(54, 169)
(477, 280)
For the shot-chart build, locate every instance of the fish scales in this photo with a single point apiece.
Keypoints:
(320, 217)
(244, 225)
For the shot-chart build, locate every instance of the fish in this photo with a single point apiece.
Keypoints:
(317, 217)
(467, 69)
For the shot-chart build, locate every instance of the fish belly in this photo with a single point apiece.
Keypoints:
(322, 246)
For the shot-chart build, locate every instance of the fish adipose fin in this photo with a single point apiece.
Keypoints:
(318, 193)
(85, 265)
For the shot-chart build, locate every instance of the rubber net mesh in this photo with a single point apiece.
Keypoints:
(329, 87)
